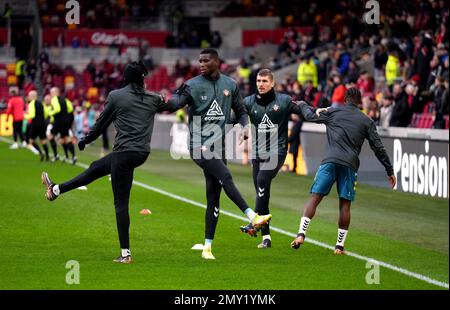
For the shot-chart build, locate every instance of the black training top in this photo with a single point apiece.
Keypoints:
(132, 109)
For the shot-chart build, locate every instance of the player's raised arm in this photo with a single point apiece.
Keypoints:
(308, 112)
(181, 98)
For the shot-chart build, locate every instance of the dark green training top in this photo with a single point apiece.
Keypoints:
(269, 115)
(210, 103)
(132, 109)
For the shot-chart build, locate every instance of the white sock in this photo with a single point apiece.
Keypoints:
(342, 234)
(304, 223)
(266, 237)
(208, 243)
(55, 190)
(250, 214)
(126, 252)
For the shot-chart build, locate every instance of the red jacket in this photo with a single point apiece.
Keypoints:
(16, 107)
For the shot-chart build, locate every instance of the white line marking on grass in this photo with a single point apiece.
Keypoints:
(284, 232)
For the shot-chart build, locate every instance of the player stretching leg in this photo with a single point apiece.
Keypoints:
(134, 125)
(210, 97)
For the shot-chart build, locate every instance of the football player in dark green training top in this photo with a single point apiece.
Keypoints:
(211, 96)
(269, 113)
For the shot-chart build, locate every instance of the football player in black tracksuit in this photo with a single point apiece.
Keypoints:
(38, 115)
(132, 110)
(211, 96)
(269, 113)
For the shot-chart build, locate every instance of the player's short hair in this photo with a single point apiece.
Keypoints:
(352, 96)
(266, 72)
(211, 52)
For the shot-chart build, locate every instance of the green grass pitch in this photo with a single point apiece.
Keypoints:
(38, 238)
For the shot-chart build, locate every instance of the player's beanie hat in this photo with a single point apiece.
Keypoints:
(134, 73)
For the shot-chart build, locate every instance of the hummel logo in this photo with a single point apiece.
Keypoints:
(340, 237)
(261, 191)
(266, 123)
(215, 109)
(216, 212)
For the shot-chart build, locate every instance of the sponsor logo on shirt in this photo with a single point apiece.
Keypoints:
(215, 112)
(266, 125)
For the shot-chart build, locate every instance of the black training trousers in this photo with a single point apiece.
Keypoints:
(217, 176)
(264, 171)
(121, 167)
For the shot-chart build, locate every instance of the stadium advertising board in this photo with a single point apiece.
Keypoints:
(420, 165)
(107, 37)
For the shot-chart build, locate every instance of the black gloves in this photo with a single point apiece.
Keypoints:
(81, 145)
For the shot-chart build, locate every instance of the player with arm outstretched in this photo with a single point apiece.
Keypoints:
(347, 128)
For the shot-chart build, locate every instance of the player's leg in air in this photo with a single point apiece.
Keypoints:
(263, 174)
(217, 169)
(96, 170)
(324, 180)
(121, 167)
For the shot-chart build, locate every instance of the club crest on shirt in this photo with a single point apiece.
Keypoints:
(226, 92)
(276, 108)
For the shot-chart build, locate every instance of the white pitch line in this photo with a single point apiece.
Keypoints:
(284, 232)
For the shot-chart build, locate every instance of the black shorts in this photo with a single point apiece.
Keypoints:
(61, 128)
(38, 130)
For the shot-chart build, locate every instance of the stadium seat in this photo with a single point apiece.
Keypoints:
(11, 68)
(69, 82)
(12, 80)
(92, 93)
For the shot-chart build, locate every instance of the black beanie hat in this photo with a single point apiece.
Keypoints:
(134, 73)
